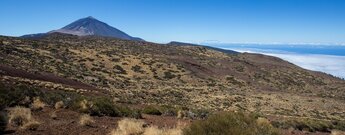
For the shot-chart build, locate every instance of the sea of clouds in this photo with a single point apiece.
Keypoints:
(331, 64)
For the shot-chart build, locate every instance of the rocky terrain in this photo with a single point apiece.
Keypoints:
(190, 78)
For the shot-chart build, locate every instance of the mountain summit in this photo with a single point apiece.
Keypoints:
(90, 26)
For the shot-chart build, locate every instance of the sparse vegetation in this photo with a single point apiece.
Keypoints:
(311, 125)
(103, 107)
(231, 123)
(185, 77)
(24, 95)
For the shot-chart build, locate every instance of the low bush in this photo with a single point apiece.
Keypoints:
(230, 123)
(151, 110)
(104, 107)
(13, 96)
(339, 125)
(137, 69)
(311, 125)
(168, 110)
(128, 112)
(23, 95)
(169, 75)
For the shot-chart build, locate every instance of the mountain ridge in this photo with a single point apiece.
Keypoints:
(209, 47)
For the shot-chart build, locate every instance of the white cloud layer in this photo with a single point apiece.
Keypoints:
(334, 65)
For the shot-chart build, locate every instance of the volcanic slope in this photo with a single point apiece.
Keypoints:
(138, 72)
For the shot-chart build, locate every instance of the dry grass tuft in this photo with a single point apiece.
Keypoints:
(37, 104)
(86, 120)
(21, 117)
(129, 127)
(137, 127)
(153, 130)
(53, 115)
(59, 105)
(84, 105)
(32, 125)
(337, 132)
(180, 114)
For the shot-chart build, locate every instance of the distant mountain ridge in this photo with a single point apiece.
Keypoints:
(89, 26)
(209, 47)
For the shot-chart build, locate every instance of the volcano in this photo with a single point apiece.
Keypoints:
(89, 26)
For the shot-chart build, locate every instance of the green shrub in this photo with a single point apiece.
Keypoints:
(11, 96)
(339, 125)
(230, 123)
(151, 110)
(104, 107)
(168, 110)
(128, 112)
(120, 70)
(137, 69)
(168, 75)
(311, 125)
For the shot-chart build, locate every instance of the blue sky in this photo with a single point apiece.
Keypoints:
(259, 21)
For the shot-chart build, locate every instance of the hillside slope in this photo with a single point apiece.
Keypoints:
(137, 72)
